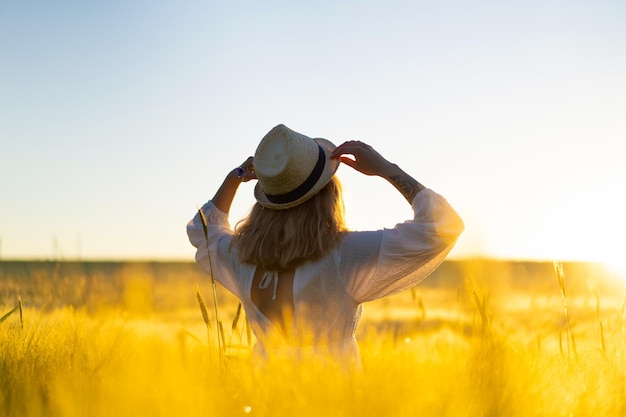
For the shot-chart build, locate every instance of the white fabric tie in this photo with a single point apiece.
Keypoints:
(267, 280)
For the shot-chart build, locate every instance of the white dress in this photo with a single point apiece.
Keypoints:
(328, 293)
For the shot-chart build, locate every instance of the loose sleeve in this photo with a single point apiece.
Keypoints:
(401, 257)
(210, 233)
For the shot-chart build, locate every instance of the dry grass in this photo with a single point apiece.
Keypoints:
(468, 349)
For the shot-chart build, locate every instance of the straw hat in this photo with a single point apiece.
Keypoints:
(291, 167)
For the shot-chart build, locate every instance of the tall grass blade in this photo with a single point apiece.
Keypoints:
(203, 310)
(19, 304)
(205, 318)
(236, 319)
(233, 326)
(602, 340)
(190, 335)
(220, 335)
(571, 343)
(248, 332)
(480, 301)
(7, 315)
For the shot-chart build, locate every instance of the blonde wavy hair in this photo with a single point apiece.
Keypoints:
(278, 240)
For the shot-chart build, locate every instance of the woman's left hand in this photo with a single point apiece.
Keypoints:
(226, 193)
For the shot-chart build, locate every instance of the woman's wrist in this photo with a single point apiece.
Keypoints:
(224, 196)
(234, 175)
(407, 185)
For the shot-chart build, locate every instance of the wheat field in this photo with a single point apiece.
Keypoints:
(478, 338)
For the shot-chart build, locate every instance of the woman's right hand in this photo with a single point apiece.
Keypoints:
(245, 171)
(365, 159)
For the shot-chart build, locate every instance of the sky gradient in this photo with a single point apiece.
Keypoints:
(119, 119)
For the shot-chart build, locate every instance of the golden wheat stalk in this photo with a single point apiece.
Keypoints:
(571, 343)
(220, 336)
(480, 301)
(203, 310)
(602, 340)
(7, 315)
(19, 304)
(233, 326)
(18, 307)
(236, 319)
(245, 328)
(248, 332)
(205, 318)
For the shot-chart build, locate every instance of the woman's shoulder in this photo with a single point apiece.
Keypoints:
(362, 242)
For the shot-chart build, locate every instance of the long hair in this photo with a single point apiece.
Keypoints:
(276, 240)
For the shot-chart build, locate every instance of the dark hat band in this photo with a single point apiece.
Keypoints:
(301, 190)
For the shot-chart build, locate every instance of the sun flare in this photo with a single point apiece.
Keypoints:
(579, 230)
(616, 267)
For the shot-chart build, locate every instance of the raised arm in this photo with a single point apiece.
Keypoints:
(369, 162)
(224, 196)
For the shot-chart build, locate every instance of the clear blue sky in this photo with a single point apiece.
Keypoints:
(119, 118)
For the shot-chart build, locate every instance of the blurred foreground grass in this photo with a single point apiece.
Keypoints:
(478, 338)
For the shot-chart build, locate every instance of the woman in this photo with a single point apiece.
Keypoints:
(300, 275)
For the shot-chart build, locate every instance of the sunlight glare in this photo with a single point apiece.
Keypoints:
(587, 230)
(616, 267)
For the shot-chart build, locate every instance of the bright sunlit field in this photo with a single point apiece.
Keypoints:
(477, 338)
